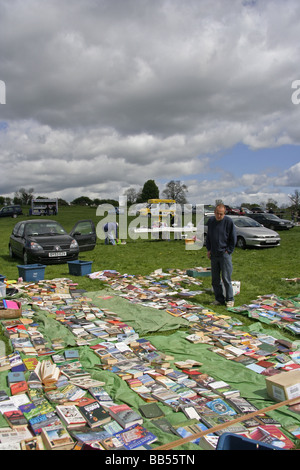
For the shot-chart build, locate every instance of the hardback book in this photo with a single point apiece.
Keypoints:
(125, 415)
(57, 438)
(94, 413)
(70, 416)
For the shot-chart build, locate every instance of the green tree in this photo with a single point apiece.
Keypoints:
(82, 201)
(295, 200)
(23, 196)
(175, 190)
(149, 191)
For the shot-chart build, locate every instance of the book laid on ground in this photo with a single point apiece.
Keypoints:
(15, 418)
(57, 438)
(241, 405)
(125, 415)
(70, 416)
(32, 443)
(47, 371)
(270, 434)
(221, 407)
(151, 411)
(94, 413)
(135, 436)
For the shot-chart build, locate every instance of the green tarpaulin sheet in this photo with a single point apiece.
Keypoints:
(146, 321)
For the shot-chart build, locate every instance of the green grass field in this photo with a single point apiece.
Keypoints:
(260, 271)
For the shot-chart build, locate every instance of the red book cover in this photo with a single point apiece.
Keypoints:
(19, 387)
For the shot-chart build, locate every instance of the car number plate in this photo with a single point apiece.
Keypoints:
(57, 253)
(270, 241)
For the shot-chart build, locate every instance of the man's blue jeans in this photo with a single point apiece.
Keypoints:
(221, 268)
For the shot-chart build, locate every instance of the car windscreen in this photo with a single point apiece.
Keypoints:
(246, 222)
(44, 228)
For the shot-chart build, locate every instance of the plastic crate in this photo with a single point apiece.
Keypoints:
(196, 273)
(229, 441)
(80, 268)
(2, 289)
(32, 272)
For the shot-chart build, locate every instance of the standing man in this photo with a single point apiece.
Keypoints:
(111, 233)
(220, 243)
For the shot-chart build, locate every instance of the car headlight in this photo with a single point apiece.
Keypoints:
(35, 246)
(74, 244)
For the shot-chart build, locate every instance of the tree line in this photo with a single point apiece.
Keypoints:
(173, 190)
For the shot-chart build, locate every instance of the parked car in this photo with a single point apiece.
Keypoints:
(251, 233)
(246, 210)
(11, 211)
(47, 242)
(233, 210)
(272, 221)
(257, 210)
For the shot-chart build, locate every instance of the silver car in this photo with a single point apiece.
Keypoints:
(251, 233)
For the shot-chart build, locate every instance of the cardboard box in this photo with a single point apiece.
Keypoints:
(284, 386)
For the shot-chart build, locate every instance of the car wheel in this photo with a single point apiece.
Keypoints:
(272, 227)
(11, 253)
(241, 243)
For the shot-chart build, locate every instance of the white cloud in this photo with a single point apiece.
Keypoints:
(104, 95)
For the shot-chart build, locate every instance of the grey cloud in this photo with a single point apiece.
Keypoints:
(125, 90)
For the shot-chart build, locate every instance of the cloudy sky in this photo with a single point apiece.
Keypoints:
(97, 96)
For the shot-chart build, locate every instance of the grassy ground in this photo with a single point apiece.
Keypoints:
(260, 271)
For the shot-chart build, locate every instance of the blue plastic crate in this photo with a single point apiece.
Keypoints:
(32, 272)
(80, 268)
(229, 441)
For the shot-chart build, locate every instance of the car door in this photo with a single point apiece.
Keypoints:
(84, 232)
(17, 240)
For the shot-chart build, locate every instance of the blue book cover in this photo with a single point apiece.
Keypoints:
(221, 407)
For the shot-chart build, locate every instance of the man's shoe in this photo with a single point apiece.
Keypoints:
(216, 302)
(230, 303)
